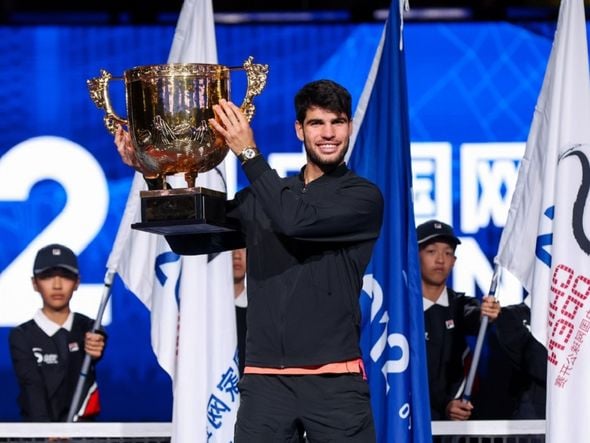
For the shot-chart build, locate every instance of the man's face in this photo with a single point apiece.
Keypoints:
(436, 262)
(56, 287)
(326, 136)
(239, 264)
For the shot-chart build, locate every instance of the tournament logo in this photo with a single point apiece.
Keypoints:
(581, 198)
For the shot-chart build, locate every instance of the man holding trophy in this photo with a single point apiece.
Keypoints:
(309, 240)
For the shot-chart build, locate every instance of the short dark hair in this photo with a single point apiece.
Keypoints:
(325, 94)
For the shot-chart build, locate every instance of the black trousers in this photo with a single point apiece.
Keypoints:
(297, 408)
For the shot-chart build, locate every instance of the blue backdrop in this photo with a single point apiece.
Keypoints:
(469, 83)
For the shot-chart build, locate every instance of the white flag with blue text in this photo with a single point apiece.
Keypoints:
(392, 335)
(193, 328)
(545, 242)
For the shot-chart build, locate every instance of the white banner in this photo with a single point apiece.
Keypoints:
(190, 298)
(545, 241)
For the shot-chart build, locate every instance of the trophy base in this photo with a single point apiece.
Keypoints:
(192, 219)
(183, 211)
(182, 227)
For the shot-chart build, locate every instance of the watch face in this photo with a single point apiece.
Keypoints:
(249, 153)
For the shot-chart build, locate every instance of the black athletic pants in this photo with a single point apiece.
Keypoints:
(324, 408)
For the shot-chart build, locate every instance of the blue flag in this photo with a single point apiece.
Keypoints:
(392, 336)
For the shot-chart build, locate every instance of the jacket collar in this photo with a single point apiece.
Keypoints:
(338, 171)
(49, 326)
(442, 300)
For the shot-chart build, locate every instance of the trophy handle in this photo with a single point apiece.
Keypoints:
(256, 74)
(99, 94)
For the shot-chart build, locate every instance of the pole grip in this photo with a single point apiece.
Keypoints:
(480, 338)
(106, 293)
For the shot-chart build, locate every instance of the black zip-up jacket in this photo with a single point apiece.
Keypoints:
(308, 248)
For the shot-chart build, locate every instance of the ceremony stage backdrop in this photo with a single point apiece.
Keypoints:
(472, 90)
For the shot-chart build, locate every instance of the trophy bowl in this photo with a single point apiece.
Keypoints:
(168, 108)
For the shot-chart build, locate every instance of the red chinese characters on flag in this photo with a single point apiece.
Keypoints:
(568, 320)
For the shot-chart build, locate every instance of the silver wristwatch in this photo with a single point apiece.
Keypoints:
(248, 153)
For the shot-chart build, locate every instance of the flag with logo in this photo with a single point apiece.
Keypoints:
(193, 329)
(545, 242)
(392, 335)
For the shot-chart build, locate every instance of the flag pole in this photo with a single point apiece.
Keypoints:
(480, 338)
(106, 294)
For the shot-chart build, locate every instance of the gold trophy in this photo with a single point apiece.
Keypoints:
(168, 107)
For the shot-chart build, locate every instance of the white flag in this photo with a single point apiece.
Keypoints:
(545, 241)
(193, 328)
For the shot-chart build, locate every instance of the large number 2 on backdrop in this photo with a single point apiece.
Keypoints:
(72, 166)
